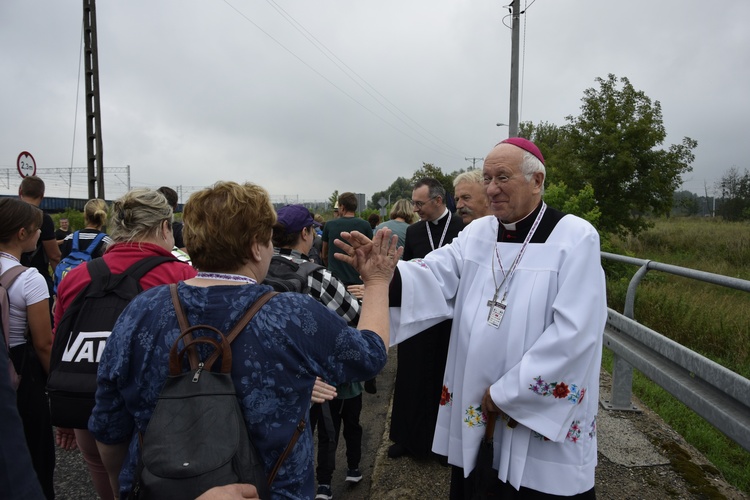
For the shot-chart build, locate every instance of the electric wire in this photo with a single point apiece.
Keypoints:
(366, 108)
(338, 62)
(523, 52)
(75, 112)
(523, 64)
(523, 58)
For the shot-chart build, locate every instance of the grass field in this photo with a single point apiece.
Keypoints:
(709, 319)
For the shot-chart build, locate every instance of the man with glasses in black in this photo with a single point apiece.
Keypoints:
(421, 359)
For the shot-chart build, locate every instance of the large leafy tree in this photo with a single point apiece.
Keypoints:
(735, 195)
(607, 164)
(555, 145)
(612, 145)
(401, 188)
(686, 203)
(430, 170)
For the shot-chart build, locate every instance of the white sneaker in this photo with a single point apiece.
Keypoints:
(324, 492)
(353, 476)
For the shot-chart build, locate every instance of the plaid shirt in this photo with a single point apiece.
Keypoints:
(326, 288)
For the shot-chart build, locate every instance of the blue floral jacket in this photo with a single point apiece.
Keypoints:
(291, 340)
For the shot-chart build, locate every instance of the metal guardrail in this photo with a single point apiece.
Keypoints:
(717, 394)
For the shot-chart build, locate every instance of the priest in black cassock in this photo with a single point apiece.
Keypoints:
(421, 359)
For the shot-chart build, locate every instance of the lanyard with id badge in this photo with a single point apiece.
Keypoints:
(497, 309)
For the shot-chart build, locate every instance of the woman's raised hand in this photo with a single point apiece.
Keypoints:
(374, 259)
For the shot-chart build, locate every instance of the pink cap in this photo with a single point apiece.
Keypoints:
(526, 145)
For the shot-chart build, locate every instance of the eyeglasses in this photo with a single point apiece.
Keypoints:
(419, 204)
(498, 179)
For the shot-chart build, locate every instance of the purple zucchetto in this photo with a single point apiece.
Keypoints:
(524, 144)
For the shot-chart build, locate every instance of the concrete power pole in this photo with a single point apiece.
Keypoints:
(514, 57)
(474, 161)
(93, 108)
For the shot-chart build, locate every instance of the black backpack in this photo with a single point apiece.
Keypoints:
(285, 275)
(197, 437)
(81, 335)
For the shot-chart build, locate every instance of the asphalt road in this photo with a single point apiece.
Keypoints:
(72, 481)
(640, 457)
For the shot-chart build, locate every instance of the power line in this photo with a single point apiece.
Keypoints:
(53, 176)
(349, 72)
(334, 85)
(75, 111)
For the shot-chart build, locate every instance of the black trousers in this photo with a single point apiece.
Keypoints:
(34, 411)
(462, 489)
(418, 388)
(346, 412)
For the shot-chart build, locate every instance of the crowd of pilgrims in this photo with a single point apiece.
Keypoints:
(366, 285)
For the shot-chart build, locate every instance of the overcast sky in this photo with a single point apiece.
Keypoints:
(308, 97)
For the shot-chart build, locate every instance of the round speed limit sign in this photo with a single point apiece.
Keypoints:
(26, 164)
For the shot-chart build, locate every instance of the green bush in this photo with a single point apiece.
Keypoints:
(75, 219)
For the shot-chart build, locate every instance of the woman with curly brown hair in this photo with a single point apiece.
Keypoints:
(277, 356)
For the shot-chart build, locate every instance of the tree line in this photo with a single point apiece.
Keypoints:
(610, 165)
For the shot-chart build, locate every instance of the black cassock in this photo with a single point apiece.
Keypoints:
(421, 359)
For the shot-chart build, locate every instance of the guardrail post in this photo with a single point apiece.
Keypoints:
(629, 310)
(622, 371)
(622, 386)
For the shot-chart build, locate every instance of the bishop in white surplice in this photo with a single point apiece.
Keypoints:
(541, 363)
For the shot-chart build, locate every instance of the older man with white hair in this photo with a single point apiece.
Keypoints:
(471, 196)
(526, 293)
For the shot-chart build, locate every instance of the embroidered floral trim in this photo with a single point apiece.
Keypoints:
(475, 417)
(592, 428)
(446, 397)
(560, 390)
(420, 262)
(575, 433)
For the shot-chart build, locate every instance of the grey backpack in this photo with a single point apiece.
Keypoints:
(183, 451)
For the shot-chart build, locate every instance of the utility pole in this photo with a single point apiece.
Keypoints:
(514, 57)
(474, 161)
(93, 108)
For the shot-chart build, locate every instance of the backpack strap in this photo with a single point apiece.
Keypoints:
(94, 243)
(7, 279)
(139, 269)
(299, 430)
(102, 277)
(245, 319)
(306, 268)
(184, 325)
(76, 246)
(238, 327)
(98, 268)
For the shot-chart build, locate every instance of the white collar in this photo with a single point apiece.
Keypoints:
(511, 226)
(436, 221)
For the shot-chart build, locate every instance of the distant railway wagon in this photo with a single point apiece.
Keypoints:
(56, 205)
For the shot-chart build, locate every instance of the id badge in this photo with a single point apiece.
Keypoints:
(496, 314)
